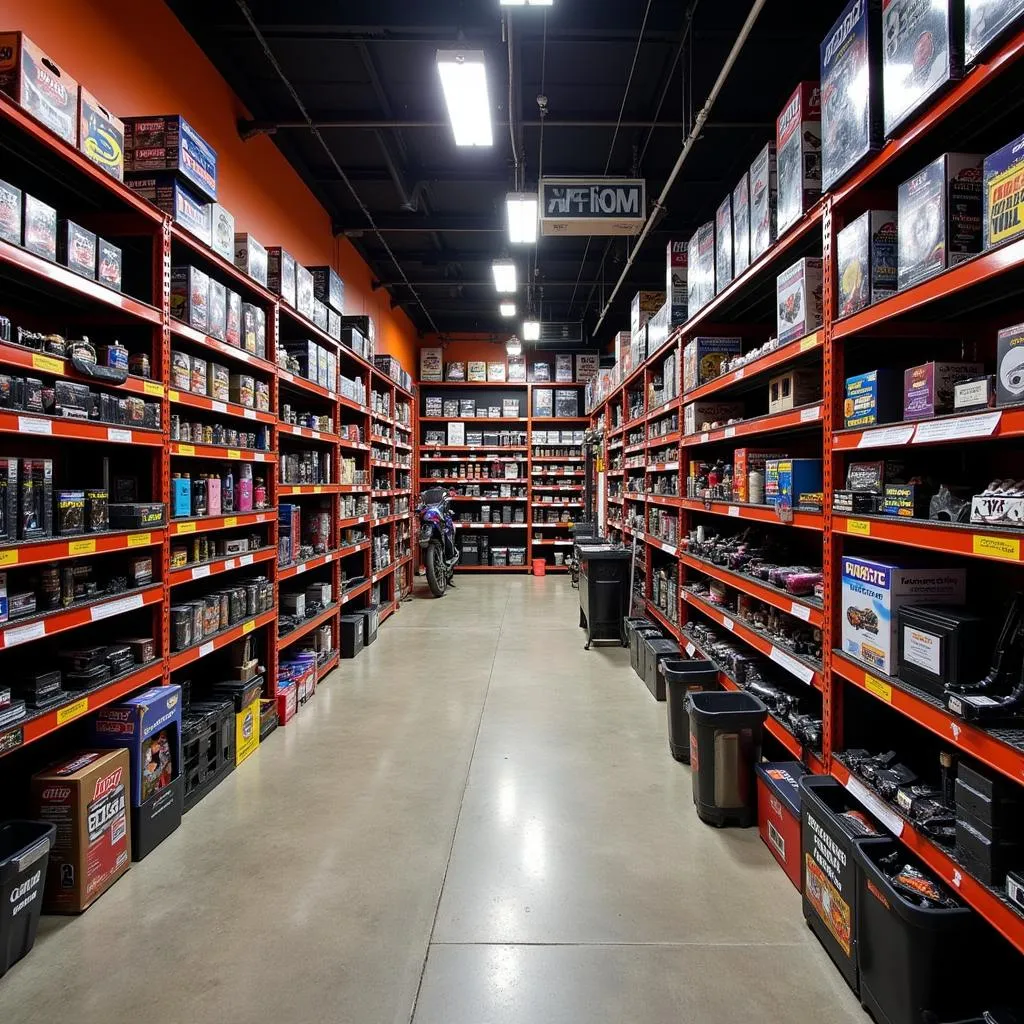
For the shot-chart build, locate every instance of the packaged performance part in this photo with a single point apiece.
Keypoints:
(922, 51)
(303, 291)
(76, 249)
(170, 143)
(866, 252)
(190, 297)
(798, 145)
(251, 257)
(741, 225)
(723, 244)
(179, 202)
(764, 193)
(328, 288)
(985, 20)
(281, 273)
(40, 228)
(222, 232)
(218, 311)
(939, 217)
(100, 134)
(1003, 195)
(851, 93)
(1010, 365)
(676, 273)
(705, 266)
(798, 291)
(10, 213)
(254, 329)
(108, 264)
(39, 85)
(233, 329)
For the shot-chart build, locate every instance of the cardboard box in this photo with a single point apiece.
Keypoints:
(1010, 365)
(476, 370)
(254, 329)
(455, 371)
(872, 594)
(764, 198)
(701, 257)
(329, 288)
(746, 461)
(233, 330)
(76, 249)
(222, 232)
(304, 291)
(149, 727)
(320, 315)
(928, 388)
(281, 273)
(985, 22)
(496, 371)
(798, 292)
(703, 359)
(39, 232)
(247, 731)
(334, 324)
(431, 364)
(39, 85)
(86, 798)
(798, 145)
(658, 328)
(251, 257)
(10, 213)
(166, 192)
(676, 272)
(796, 478)
(939, 214)
(587, 366)
(741, 225)
(872, 398)
(643, 307)
(778, 814)
(697, 416)
(218, 313)
(792, 389)
(866, 252)
(456, 433)
(169, 143)
(190, 297)
(100, 134)
(723, 244)
(1003, 195)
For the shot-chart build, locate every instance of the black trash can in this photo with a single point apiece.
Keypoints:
(638, 652)
(681, 677)
(657, 652)
(24, 855)
(632, 623)
(725, 745)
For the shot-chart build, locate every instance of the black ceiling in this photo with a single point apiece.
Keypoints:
(365, 70)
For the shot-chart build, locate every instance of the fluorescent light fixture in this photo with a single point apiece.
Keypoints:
(514, 347)
(522, 217)
(507, 309)
(464, 81)
(531, 330)
(504, 276)
(526, 3)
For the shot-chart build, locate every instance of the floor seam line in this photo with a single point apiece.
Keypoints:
(458, 817)
(611, 944)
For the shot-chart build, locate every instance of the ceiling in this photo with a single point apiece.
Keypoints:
(364, 72)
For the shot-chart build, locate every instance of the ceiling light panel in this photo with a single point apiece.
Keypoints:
(531, 330)
(507, 309)
(504, 276)
(464, 81)
(521, 209)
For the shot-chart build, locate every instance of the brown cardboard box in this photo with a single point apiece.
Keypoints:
(87, 799)
(39, 85)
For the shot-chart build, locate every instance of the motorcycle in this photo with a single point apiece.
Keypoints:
(438, 552)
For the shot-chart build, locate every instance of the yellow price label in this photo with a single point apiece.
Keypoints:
(155, 388)
(997, 547)
(248, 627)
(231, 521)
(186, 528)
(70, 712)
(140, 540)
(47, 363)
(174, 396)
(878, 688)
(234, 453)
(9, 557)
(82, 547)
(859, 527)
(186, 449)
(809, 342)
(318, 489)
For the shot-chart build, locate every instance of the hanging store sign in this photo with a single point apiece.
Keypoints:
(592, 206)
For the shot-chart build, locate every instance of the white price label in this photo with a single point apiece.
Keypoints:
(120, 436)
(734, 510)
(797, 668)
(206, 649)
(245, 560)
(957, 428)
(245, 355)
(258, 457)
(219, 407)
(885, 437)
(300, 568)
(249, 414)
(21, 635)
(669, 548)
(705, 437)
(739, 374)
(315, 434)
(200, 571)
(31, 425)
(810, 415)
(124, 604)
(229, 563)
(729, 432)
(885, 814)
(690, 650)
(728, 623)
(801, 611)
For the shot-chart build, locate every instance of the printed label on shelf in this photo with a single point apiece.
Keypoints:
(229, 563)
(231, 521)
(885, 436)
(22, 634)
(259, 457)
(734, 510)
(858, 526)
(740, 373)
(996, 547)
(801, 611)
(301, 567)
(242, 354)
(249, 414)
(885, 814)
(245, 560)
(9, 557)
(206, 649)
(878, 688)
(185, 449)
(729, 432)
(120, 436)
(728, 623)
(810, 415)
(234, 453)
(153, 388)
(81, 547)
(48, 364)
(705, 437)
(797, 668)
(249, 627)
(174, 396)
(139, 540)
(690, 650)
(70, 712)
(811, 341)
(958, 428)
(31, 425)
(124, 604)
(219, 407)
(185, 528)
(315, 434)
(200, 571)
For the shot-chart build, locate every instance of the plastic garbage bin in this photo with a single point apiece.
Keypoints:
(657, 651)
(638, 652)
(681, 677)
(725, 745)
(24, 854)
(632, 623)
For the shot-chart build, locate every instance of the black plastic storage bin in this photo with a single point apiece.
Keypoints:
(207, 747)
(725, 745)
(914, 959)
(632, 623)
(657, 651)
(24, 855)
(638, 651)
(680, 678)
(352, 630)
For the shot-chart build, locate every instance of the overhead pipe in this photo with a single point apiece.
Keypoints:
(691, 139)
(248, 129)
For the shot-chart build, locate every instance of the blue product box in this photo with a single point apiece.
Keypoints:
(1003, 194)
(179, 202)
(771, 481)
(149, 726)
(797, 477)
(872, 398)
(170, 143)
(181, 496)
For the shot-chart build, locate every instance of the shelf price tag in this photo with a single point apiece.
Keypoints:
(803, 672)
(811, 341)
(248, 627)
(885, 436)
(124, 604)
(206, 648)
(70, 712)
(888, 817)
(155, 389)
(231, 521)
(186, 528)
(138, 540)
(957, 428)
(690, 649)
(31, 425)
(9, 557)
(186, 449)
(728, 623)
(219, 407)
(811, 415)
(996, 547)
(120, 436)
(200, 571)
(859, 527)
(801, 611)
(729, 432)
(734, 510)
(81, 547)
(880, 689)
(48, 364)
(22, 635)
(234, 453)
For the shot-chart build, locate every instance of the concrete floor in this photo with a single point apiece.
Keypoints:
(476, 822)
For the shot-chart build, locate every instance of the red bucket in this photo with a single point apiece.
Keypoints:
(539, 567)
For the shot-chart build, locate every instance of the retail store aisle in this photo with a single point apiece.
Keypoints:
(476, 822)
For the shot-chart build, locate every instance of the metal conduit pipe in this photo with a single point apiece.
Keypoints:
(688, 145)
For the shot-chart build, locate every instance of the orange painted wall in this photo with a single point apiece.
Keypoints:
(138, 59)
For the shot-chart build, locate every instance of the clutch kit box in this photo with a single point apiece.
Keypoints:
(222, 232)
(872, 398)
(676, 273)
(703, 359)
(986, 20)
(798, 145)
(872, 595)
(281, 273)
(939, 217)
(764, 198)
(922, 51)
(741, 225)
(851, 90)
(328, 288)
(39, 85)
(169, 143)
(251, 257)
(866, 250)
(1003, 195)
(100, 134)
(723, 244)
(798, 293)
(1010, 365)
(166, 192)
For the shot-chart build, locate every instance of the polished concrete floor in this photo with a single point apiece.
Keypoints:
(476, 822)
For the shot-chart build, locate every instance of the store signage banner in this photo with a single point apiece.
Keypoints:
(592, 206)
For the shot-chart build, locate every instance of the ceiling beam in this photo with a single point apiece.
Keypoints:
(456, 225)
(456, 283)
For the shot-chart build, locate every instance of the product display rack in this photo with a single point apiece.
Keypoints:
(960, 308)
(46, 296)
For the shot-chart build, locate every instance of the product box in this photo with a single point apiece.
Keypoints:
(170, 143)
(723, 244)
(100, 134)
(563, 366)
(543, 402)
(923, 51)
(746, 461)
(247, 731)
(455, 371)
(8, 501)
(517, 369)
(172, 196)
(587, 366)
(10, 213)
(872, 595)
(87, 800)
(1010, 365)
(35, 499)
(906, 501)
(218, 314)
(303, 291)
(764, 197)
(741, 225)
(698, 416)
(334, 324)
(987, 20)
(476, 371)
(496, 372)
(797, 478)
(867, 251)
(233, 331)
(704, 268)
(328, 288)
(320, 315)
(281, 273)
(872, 398)
(40, 228)
(251, 257)
(792, 389)
(149, 726)
(778, 813)
(254, 329)
(1003, 194)
(928, 388)
(676, 266)
(798, 292)
(939, 217)
(190, 297)
(658, 328)
(431, 364)
(222, 232)
(510, 408)
(798, 145)
(456, 433)
(851, 89)
(644, 306)
(703, 359)
(76, 249)
(35, 82)
(109, 262)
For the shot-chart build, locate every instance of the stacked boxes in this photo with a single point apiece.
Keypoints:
(764, 194)
(676, 265)
(170, 143)
(798, 145)
(703, 359)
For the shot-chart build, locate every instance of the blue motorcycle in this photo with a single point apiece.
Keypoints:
(438, 552)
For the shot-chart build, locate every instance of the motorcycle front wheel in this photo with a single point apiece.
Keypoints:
(437, 571)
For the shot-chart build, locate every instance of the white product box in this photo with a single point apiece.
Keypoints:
(696, 414)
(645, 305)
(456, 433)
(677, 261)
(798, 291)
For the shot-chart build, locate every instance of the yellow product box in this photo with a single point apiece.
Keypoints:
(247, 731)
